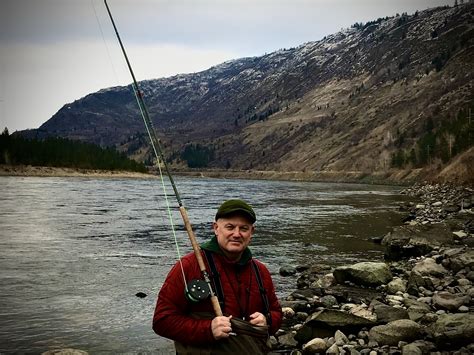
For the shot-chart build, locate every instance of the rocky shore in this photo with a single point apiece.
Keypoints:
(419, 300)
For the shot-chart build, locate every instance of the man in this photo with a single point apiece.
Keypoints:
(236, 277)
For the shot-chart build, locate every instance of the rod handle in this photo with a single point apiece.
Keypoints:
(202, 266)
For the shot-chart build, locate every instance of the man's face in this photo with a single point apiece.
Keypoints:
(234, 234)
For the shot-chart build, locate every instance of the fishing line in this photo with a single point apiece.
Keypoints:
(143, 114)
(198, 289)
(168, 206)
(105, 43)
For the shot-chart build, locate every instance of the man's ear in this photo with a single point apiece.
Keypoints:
(214, 227)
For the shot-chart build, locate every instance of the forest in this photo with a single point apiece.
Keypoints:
(60, 152)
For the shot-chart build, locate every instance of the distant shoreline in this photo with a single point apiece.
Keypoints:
(400, 178)
(49, 171)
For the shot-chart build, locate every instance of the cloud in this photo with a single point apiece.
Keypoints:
(53, 51)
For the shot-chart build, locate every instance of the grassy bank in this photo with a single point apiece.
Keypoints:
(44, 171)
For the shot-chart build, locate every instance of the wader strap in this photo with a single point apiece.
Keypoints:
(216, 281)
(263, 293)
(215, 277)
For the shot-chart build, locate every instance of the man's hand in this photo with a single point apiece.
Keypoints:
(258, 318)
(220, 327)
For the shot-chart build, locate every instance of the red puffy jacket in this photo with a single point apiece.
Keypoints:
(172, 317)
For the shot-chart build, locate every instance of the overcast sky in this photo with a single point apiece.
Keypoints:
(53, 52)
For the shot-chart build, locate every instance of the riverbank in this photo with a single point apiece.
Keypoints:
(390, 177)
(47, 171)
(360, 177)
(419, 300)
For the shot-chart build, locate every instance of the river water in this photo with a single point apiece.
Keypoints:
(75, 251)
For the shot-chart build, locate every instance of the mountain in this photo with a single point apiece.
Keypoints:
(362, 100)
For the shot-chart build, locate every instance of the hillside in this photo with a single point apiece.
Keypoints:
(361, 100)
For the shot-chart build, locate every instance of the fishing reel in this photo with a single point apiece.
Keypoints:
(197, 291)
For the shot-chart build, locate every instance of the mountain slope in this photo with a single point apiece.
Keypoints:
(349, 102)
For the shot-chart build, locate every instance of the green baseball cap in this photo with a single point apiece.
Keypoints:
(235, 206)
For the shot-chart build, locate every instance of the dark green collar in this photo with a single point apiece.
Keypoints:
(213, 245)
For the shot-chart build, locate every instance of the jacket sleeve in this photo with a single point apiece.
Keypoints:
(171, 318)
(274, 304)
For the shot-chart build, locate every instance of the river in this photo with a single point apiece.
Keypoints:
(75, 251)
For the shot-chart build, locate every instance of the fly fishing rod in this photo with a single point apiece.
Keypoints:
(197, 289)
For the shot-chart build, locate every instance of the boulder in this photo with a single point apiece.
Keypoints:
(417, 280)
(393, 332)
(288, 312)
(460, 259)
(411, 349)
(453, 329)
(287, 270)
(407, 241)
(340, 338)
(386, 314)
(416, 309)
(449, 301)
(315, 346)
(287, 340)
(333, 350)
(429, 267)
(325, 281)
(325, 323)
(418, 347)
(328, 301)
(364, 274)
(362, 311)
(396, 285)
(305, 294)
(352, 294)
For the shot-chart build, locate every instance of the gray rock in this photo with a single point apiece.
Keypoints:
(396, 285)
(427, 319)
(411, 349)
(325, 281)
(301, 316)
(333, 350)
(393, 332)
(325, 323)
(296, 306)
(287, 340)
(429, 267)
(340, 338)
(364, 274)
(273, 342)
(315, 346)
(449, 301)
(287, 270)
(386, 314)
(288, 312)
(461, 260)
(464, 282)
(470, 276)
(455, 329)
(426, 347)
(417, 280)
(407, 241)
(329, 301)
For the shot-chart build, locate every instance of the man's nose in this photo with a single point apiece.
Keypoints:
(237, 232)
